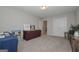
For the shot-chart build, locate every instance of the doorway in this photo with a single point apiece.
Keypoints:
(45, 27)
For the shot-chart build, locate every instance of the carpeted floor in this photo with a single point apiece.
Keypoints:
(45, 44)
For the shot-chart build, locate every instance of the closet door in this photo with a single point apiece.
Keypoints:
(59, 26)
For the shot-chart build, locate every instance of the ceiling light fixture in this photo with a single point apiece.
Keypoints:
(43, 7)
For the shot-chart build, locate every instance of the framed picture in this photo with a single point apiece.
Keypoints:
(32, 27)
(26, 26)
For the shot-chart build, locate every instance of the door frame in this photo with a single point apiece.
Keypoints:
(45, 27)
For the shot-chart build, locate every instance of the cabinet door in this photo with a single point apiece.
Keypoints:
(73, 45)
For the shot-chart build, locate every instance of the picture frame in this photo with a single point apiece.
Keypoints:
(32, 27)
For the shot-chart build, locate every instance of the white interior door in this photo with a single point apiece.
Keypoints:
(59, 26)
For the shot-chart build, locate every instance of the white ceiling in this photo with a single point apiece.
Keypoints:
(51, 10)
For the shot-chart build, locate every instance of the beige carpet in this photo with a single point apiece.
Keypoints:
(45, 44)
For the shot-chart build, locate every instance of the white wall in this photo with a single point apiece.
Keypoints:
(77, 14)
(1, 20)
(49, 25)
(41, 25)
(13, 19)
(71, 18)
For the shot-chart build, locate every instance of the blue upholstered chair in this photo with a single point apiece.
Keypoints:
(10, 43)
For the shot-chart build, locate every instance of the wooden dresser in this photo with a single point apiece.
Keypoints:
(28, 35)
(74, 41)
(75, 44)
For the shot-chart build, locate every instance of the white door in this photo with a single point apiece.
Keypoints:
(59, 26)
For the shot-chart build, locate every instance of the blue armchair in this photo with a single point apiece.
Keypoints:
(10, 43)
